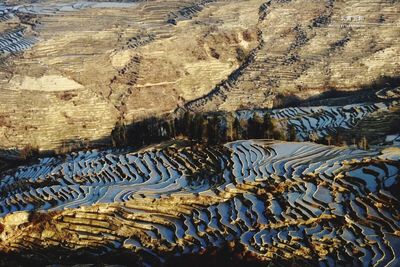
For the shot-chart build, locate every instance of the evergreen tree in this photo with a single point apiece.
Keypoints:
(186, 124)
(178, 126)
(119, 134)
(258, 126)
(338, 139)
(363, 144)
(250, 128)
(222, 129)
(245, 129)
(211, 130)
(229, 131)
(292, 133)
(200, 128)
(278, 135)
(236, 129)
(196, 127)
(172, 130)
(268, 126)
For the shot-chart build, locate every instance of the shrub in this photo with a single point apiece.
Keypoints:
(40, 217)
(279, 135)
(119, 135)
(247, 36)
(240, 54)
(292, 133)
(29, 151)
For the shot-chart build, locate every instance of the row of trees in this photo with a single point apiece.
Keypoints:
(215, 128)
(211, 128)
(337, 139)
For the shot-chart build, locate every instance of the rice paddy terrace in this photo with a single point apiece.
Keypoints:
(305, 202)
(320, 121)
(76, 71)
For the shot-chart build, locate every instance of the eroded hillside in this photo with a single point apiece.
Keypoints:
(92, 66)
(70, 70)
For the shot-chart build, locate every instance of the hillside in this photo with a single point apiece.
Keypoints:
(71, 70)
(200, 133)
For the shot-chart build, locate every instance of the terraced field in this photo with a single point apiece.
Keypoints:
(14, 41)
(298, 201)
(148, 92)
(322, 121)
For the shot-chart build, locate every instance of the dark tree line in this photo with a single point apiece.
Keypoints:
(216, 128)
(212, 128)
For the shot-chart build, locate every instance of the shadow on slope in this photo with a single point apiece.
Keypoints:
(333, 96)
(212, 127)
(214, 257)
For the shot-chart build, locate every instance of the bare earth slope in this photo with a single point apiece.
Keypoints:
(309, 47)
(109, 55)
(70, 70)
